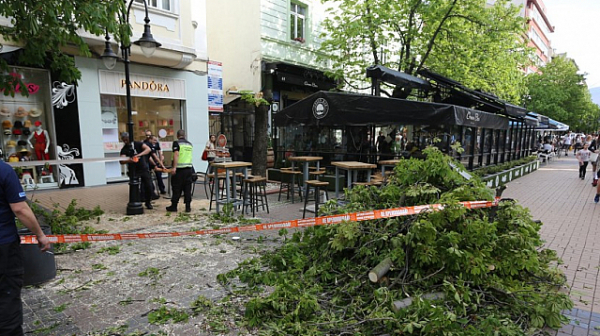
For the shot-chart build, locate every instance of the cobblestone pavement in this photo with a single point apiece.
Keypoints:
(96, 292)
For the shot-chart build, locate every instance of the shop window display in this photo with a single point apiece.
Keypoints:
(159, 115)
(27, 129)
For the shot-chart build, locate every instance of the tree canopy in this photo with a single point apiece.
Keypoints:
(561, 93)
(44, 29)
(478, 45)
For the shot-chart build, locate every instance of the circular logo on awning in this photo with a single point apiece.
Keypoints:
(320, 108)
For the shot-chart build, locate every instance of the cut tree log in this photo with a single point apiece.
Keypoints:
(380, 270)
(398, 305)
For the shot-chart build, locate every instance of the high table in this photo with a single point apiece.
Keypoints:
(305, 160)
(230, 167)
(387, 163)
(352, 167)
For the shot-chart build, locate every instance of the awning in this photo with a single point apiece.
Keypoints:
(347, 109)
(459, 94)
(397, 78)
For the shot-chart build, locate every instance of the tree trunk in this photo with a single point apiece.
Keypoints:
(380, 270)
(259, 150)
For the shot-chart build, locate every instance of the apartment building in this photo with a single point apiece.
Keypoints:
(268, 46)
(538, 31)
(168, 89)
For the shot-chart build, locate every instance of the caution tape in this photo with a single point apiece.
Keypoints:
(295, 223)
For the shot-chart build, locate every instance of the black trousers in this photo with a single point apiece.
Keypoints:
(583, 168)
(182, 182)
(159, 181)
(11, 282)
(146, 188)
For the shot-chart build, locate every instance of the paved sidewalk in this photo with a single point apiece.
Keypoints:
(554, 194)
(564, 203)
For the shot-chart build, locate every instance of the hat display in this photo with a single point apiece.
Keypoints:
(27, 123)
(35, 112)
(13, 158)
(37, 123)
(21, 112)
(4, 111)
(22, 146)
(17, 129)
(11, 144)
(26, 131)
(6, 124)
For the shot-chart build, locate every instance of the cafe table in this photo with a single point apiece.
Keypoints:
(352, 167)
(387, 163)
(305, 160)
(230, 168)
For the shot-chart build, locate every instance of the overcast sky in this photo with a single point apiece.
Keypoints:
(577, 32)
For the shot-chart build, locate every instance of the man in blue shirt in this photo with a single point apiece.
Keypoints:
(13, 203)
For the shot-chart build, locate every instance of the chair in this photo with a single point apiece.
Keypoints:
(255, 194)
(316, 184)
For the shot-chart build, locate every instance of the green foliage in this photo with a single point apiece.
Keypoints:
(163, 315)
(69, 222)
(112, 250)
(477, 45)
(489, 263)
(45, 29)
(504, 166)
(561, 93)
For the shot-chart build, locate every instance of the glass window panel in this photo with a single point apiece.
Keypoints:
(166, 5)
(292, 26)
(300, 28)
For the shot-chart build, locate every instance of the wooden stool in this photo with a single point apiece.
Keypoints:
(316, 184)
(316, 174)
(292, 174)
(255, 193)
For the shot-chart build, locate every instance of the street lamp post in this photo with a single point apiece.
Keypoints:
(148, 45)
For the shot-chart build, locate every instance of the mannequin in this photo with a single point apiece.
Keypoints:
(42, 142)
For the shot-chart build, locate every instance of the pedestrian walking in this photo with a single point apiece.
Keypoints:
(14, 203)
(583, 156)
(567, 140)
(182, 172)
(137, 162)
(594, 158)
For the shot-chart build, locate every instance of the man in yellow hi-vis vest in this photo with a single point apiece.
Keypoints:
(182, 172)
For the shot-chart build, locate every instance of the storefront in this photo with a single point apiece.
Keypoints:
(163, 102)
(28, 130)
(157, 104)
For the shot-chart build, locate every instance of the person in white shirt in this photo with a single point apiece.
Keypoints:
(567, 140)
(583, 156)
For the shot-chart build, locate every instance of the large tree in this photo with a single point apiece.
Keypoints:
(48, 31)
(561, 93)
(480, 46)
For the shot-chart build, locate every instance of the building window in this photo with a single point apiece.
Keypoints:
(297, 22)
(160, 4)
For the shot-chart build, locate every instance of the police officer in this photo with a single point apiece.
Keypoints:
(182, 172)
(13, 203)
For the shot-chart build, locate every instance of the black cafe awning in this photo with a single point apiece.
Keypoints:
(347, 109)
(461, 95)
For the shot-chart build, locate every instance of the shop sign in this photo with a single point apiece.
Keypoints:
(215, 86)
(114, 83)
(320, 108)
(146, 86)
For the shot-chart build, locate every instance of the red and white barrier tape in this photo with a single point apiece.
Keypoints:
(295, 223)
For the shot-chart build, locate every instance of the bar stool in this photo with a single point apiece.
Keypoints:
(289, 184)
(220, 177)
(255, 193)
(316, 184)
